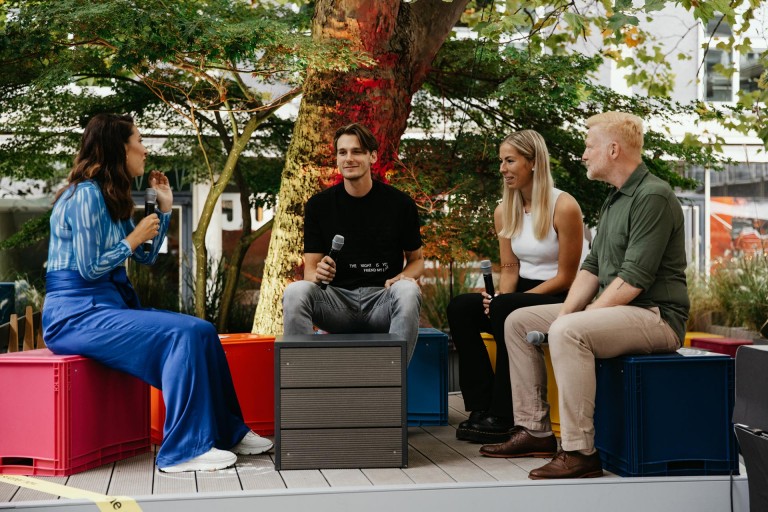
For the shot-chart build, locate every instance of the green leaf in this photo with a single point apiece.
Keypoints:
(654, 5)
(619, 20)
(722, 6)
(622, 5)
(575, 21)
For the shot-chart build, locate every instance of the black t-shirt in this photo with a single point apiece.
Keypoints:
(377, 228)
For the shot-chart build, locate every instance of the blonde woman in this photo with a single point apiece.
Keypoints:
(541, 245)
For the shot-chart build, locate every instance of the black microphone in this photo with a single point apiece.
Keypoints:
(536, 338)
(336, 245)
(150, 201)
(485, 267)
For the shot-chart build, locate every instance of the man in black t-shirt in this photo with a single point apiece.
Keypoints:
(372, 282)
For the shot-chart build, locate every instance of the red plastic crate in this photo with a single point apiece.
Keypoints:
(251, 359)
(727, 346)
(66, 414)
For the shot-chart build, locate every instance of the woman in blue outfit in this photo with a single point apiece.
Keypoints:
(91, 309)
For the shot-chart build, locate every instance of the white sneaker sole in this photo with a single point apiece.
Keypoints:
(195, 465)
(255, 450)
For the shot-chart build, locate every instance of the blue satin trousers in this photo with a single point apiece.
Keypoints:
(179, 354)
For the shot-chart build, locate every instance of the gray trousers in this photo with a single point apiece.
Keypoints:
(575, 341)
(370, 309)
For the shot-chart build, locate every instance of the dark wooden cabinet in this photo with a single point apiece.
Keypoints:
(340, 401)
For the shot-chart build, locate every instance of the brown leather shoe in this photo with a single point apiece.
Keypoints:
(570, 465)
(522, 444)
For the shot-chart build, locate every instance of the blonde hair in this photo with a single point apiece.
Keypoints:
(530, 144)
(626, 127)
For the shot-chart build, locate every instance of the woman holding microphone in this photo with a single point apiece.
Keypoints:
(541, 244)
(92, 310)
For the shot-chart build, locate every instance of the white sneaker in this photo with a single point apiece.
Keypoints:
(252, 444)
(211, 460)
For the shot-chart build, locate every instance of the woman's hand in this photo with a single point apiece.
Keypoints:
(487, 303)
(147, 229)
(160, 183)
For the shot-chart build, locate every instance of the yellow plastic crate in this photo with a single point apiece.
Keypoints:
(490, 346)
(554, 410)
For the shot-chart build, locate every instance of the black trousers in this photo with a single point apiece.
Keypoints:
(482, 389)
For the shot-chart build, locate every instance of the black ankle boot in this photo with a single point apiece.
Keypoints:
(474, 418)
(490, 429)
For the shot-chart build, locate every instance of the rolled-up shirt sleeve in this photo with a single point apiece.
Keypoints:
(652, 223)
(590, 264)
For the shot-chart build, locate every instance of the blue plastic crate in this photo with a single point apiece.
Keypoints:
(666, 414)
(428, 380)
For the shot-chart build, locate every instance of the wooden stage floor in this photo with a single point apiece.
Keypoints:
(436, 460)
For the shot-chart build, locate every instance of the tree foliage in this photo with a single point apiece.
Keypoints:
(623, 31)
(211, 71)
(207, 74)
(482, 97)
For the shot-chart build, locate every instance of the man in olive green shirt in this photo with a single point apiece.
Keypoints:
(629, 297)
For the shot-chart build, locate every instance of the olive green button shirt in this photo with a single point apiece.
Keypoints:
(640, 238)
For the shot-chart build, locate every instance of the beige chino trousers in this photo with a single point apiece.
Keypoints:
(575, 340)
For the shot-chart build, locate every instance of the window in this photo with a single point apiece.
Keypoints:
(718, 86)
(718, 27)
(750, 69)
(748, 66)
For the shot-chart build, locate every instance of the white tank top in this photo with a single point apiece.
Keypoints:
(538, 258)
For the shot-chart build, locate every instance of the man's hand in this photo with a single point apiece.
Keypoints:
(390, 282)
(325, 270)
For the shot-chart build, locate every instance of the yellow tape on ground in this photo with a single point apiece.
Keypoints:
(104, 502)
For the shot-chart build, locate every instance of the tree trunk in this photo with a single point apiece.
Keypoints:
(403, 39)
(239, 252)
(235, 146)
(198, 237)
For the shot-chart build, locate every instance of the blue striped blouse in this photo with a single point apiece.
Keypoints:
(84, 238)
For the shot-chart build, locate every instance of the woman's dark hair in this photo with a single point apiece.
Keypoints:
(102, 158)
(367, 139)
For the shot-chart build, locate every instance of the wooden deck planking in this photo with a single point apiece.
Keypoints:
(346, 478)
(421, 470)
(456, 412)
(25, 494)
(95, 480)
(258, 472)
(304, 478)
(435, 456)
(387, 476)
(458, 467)
(7, 491)
(174, 483)
(499, 469)
(134, 476)
(454, 419)
(218, 481)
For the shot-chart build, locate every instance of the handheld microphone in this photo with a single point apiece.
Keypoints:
(536, 338)
(485, 267)
(336, 245)
(150, 201)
